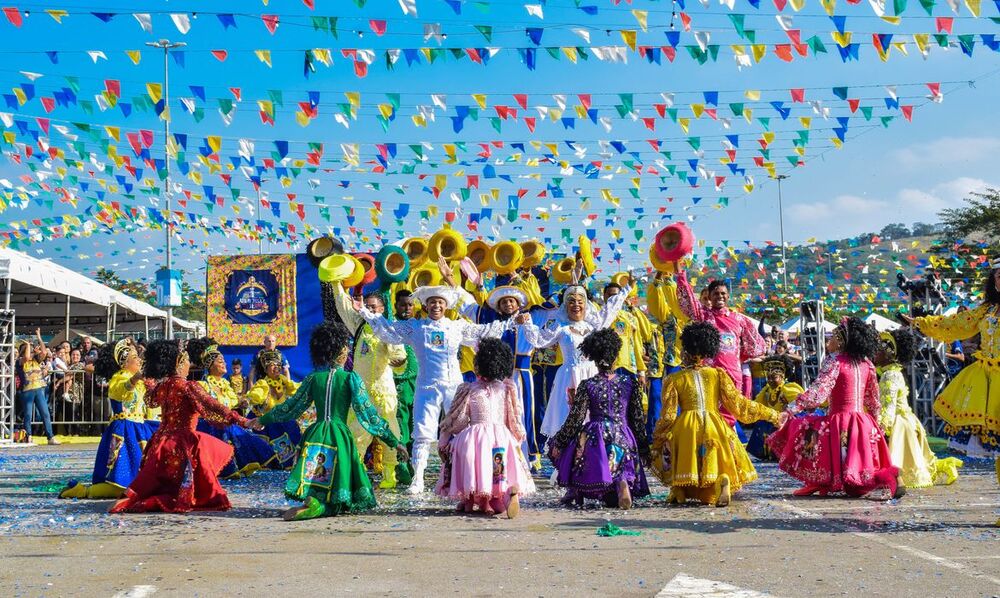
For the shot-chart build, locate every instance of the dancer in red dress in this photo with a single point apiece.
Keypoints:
(180, 467)
(844, 450)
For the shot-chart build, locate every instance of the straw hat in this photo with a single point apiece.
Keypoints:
(392, 264)
(335, 268)
(446, 243)
(506, 257)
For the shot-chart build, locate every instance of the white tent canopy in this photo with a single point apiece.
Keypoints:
(792, 326)
(54, 298)
(881, 323)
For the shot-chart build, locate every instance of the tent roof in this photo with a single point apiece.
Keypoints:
(881, 323)
(793, 325)
(39, 290)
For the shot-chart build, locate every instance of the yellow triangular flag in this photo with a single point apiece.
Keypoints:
(155, 91)
(263, 56)
(698, 110)
(973, 6)
(570, 53)
(134, 55)
(628, 36)
(641, 16)
(57, 15)
(752, 94)
(796, 4)
(892, 20)
(480, 99)
(759, 51)
(841, 39)
(829, 6)
(684, 123)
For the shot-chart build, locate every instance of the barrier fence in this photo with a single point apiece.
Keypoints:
(78, 404)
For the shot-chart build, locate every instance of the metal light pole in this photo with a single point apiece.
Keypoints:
(260, 219)
(781, 226)
(166, 46)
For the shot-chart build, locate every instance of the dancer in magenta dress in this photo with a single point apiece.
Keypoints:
(481, 436)
(844, 450)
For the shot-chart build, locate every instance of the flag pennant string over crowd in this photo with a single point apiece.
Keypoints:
(295, 105)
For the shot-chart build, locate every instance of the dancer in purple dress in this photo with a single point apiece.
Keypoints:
(602, 457)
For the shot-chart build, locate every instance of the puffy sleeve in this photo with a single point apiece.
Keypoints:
(292, 407)
(742, 408)
(257, 395)
(457, 418)
(752, 344)
(400, 332)
(345, 308)
(210, 410)
(956, 327)
(120, 388)
(637, 418)
(661, 433)
(574, 421)
(686, 300)
(606, 316)
(542, 337)
(366, 413)
(473, 333)
(871, 400)
(820, 389)
(515, 420)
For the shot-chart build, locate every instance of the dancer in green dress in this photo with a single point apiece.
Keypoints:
(328, 475)
(405, 378)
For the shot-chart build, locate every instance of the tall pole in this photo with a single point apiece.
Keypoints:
(260, 218)
(781, 226)
(167, 45)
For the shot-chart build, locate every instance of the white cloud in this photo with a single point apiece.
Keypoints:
(947, 150)
(849, 215)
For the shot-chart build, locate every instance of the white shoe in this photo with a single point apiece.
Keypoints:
(54, 442)
(416, 487)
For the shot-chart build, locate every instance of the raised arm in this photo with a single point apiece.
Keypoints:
(609, 312)
(292, 407)
(820, 389)
(742, 408)
(686, 299)
(400, 332)
(956, 327)
(366, 413)
(345, 308)
(656, 301)
(542, 337)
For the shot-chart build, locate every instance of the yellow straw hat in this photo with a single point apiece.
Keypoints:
(357, 275)
(562, 271)
(335, 268)
(479, 252)
(446, 243)
(587, 255)
(507, 257)
(416, 250)
(534, 253)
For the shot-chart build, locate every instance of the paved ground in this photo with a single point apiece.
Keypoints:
(936, 542)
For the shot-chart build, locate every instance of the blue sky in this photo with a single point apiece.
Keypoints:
(906, 172)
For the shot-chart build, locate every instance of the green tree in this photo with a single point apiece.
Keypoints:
(979, 219)
(193, 302)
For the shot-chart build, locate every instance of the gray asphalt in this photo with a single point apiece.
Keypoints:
(935, 542)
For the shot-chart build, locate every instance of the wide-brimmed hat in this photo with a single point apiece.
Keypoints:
(507, 291)
(449, 294)
(335, 268)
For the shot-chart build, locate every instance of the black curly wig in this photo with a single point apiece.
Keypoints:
(161, 359)
(860, 341)
(106, 366)
(700, 340)
(327, 342)
(494, 360)
(991, 294)
(906, 344)
(602, 347)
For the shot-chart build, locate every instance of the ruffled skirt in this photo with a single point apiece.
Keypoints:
(970, 406)
(119, 455)
(918, 466)
(557, 409)
(179, 474)
(604, 454)
(843, 451)
(485, 462)
(696, 452)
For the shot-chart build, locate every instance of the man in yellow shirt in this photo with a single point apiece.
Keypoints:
(661, 300)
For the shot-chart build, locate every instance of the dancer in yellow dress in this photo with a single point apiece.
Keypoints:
(696, 452)
(918, 466)
(970, 404)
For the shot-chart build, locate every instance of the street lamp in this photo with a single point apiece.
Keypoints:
(781, 226)
(260, 217)
(166, 46)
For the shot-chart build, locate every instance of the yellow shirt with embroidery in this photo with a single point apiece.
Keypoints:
(267, 393)
(372, 357)
(631, 353)
(778, 398)
(131, 397)
(661, 299)
(221, 390)
(238, 382)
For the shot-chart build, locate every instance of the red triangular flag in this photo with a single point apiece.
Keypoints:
(271, 22)
(220, 55)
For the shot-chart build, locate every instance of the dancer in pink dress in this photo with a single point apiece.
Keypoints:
(844, 450)
(481, 436)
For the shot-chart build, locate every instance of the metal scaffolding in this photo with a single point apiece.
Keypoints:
(928, 373)
(812, 337)
(7, 386)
